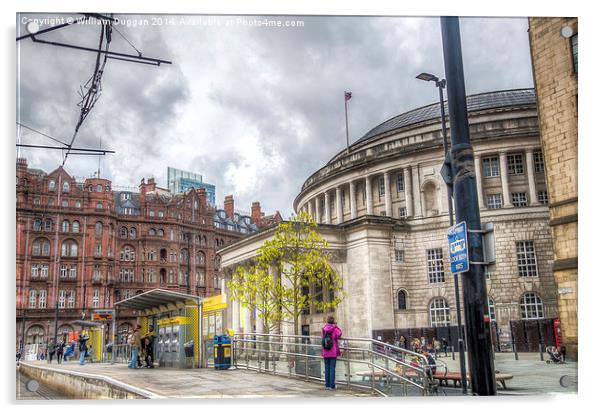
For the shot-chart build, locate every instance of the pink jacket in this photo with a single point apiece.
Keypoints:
(336, 333)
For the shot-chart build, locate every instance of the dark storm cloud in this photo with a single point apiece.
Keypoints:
(257, 110)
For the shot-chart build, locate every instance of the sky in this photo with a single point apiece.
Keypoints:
(254, 109)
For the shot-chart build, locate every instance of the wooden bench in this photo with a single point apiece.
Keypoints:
(456, 377)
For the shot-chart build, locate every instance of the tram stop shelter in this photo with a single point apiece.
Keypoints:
(176, 323)
(96, 333)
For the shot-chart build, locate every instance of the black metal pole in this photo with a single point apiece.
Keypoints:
(450, 208)
(482, 372)
(56, 318)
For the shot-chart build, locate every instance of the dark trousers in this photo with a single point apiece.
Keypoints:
(329, 371)
(50, 356)
(59, 357)
(150, 358)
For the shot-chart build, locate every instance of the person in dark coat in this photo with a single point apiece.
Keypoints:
(51, 350)
(60, 347)
(83, 348)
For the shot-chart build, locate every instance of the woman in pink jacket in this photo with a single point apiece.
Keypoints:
(330, 350)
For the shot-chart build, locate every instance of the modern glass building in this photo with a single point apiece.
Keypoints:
(179, 181)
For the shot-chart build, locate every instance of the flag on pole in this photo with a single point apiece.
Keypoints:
(347, 96)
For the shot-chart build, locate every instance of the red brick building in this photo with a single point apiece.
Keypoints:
(84, 246)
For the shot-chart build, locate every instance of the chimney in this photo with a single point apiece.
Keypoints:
(151, 185)
(21, 166)
(256, 213)
(142, 189)
(202, 197)
(229, 206)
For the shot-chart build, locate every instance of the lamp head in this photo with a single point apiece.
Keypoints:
(427, 77)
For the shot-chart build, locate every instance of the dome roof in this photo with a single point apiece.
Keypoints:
(481, 101)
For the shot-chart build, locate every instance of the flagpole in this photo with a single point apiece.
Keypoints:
(346, 120)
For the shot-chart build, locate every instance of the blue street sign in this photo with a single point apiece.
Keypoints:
(458, 248)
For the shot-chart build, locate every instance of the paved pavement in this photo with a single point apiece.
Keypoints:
(531, 375)
(207, 383)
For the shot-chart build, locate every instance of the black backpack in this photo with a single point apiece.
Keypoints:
(326, 340)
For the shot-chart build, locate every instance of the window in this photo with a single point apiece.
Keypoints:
(44, 273)
(399, 255)
(37, 201)
(519, 199)
(160, 214)
(61, 298)
(319, 298)
(48, 225)
(531, 307)
(42, 298)
(574, 42)
(200, 258)
(127, 275)
(515, 164)
(64, 203)
(494, 201)
(538, 162)
(527, 261)
(133, 233)
(152, 232)
(125, 196)
(37, 224)
(65, 186)
(97, 249)
(64, 271)
(96, 273)
(95, 298)
(305, 293)
(99, 188)
(491, 167)
(152, 278)
(51, 185)
(69, 249)
(123, 232)
(401, 300)
(435, 271)
(383, 213)
(127, 254)
(491, 304)
(439, 313)
(99, 205)
(40, 247)
(152, 255)
(78, 204)
(75, 226)
(73, 272)
(184, 256)
(542, 196)
(403, 212)
(50, 201)
(65, 227)
(381, 186)
(71, 299)
(151, 213)
(33, 298)
(400, 183)
(34, 270)
(98, 228)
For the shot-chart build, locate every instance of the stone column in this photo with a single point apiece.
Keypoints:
(387, 179)
(369, 195)
(327, 207)
(235, 316)
(531, 178)
(504, 176)
(310, 204)
(407, 187)
(317, 202)
(479, 179)
(352, 200)
(416, 192)
(339, 205)
(246, 313)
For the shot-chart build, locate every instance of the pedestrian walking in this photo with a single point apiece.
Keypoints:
(444, 345)
(423, 343)
(60, 347)
(135, 342)
(331, 334)
(83, 348)
(402, 342)
(51, 350)
(69, 352)
(437, 347)
(149, 349)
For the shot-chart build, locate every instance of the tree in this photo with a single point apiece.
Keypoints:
(298, 257)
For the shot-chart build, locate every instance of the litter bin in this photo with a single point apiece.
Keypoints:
(189, 348)
(222, 352)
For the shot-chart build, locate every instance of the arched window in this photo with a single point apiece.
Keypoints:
(51, 185)
(123, 232)
(40, 246)
(65, 186)
(35, 335)
(128, 253)
(200, 258)
(160, 233)
(152, 232)
(37, 224)
(204, 240)
(75, 226)
(69, 248)
(439, 310)
(163, 254)
(63, 333)
(401, 300)
(491, 305)
(152, 255)
(98, 228)
(65, 226)
(48, 224)
(184, 256)
(162, 276)
(133, 233)
(531, 306)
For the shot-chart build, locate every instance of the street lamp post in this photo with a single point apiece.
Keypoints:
(440, 83)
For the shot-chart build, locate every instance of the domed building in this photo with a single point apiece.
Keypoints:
(382, 206)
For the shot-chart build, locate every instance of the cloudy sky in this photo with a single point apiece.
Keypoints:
(254, 109)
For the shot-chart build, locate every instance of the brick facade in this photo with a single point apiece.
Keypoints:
(555, 74)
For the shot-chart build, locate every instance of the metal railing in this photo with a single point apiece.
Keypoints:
(365, 364)
(121, 353)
